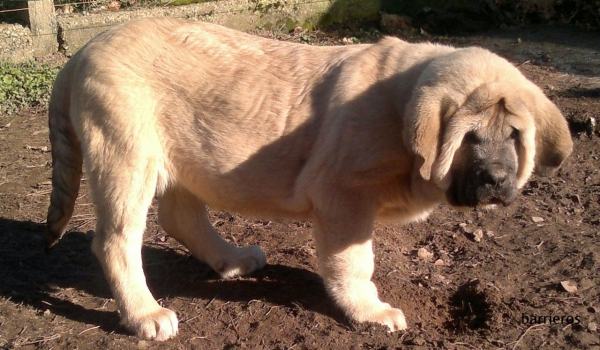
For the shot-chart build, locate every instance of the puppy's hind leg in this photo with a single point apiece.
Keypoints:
(342, 232)
(184, 217)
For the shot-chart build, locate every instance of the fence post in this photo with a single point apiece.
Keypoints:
(43, 24)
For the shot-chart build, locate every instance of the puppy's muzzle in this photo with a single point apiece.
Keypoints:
(492, 183)
(484, 184)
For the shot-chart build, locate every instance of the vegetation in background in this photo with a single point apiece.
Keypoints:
(12, 16)
(24, 85)
(452, 16)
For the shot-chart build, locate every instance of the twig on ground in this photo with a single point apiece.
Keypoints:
(524, 333)
(89, 329)
(43, 340)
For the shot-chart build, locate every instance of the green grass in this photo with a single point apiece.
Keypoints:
(24, 85)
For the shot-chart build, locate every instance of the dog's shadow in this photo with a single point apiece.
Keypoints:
(30, 275)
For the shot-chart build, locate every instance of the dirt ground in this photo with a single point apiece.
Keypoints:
(488, 294)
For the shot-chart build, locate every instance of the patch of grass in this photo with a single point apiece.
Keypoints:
(25, 84)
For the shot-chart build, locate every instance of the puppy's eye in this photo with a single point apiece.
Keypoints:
(514, 135)
(471, 137)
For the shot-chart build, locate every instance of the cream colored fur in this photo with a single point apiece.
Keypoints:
(200, 115)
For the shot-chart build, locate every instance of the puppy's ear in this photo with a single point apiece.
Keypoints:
(552, 138)
(423, 125)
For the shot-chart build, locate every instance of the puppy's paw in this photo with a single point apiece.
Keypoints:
(242, 262)
(160, 324)
(391, 317)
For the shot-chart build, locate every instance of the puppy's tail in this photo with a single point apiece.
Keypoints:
(66, 160)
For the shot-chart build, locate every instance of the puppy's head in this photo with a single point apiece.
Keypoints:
(479, 128)
(481, 162)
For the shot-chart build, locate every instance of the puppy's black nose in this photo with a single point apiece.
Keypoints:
(492, 174)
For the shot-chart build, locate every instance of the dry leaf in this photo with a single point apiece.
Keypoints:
(114, 5)
(569, 286)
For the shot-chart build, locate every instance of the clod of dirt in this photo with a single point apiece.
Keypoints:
(439, 262)
(489, 233)
(591, 125)
(478, 235)
(585, 123)
(417, 340)
(586, 283)
(424, 254)
(569, 286)
(537, 219)
(592, 326)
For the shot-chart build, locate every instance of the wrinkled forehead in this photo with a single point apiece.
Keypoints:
(498, 122)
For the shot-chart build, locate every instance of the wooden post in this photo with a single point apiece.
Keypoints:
(43, 24)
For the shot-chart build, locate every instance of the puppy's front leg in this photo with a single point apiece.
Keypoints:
(346, 262)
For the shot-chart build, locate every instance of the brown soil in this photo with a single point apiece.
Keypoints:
(479, 298)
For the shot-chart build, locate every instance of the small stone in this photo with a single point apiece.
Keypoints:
(591, 125)
(464, 228)
(417, 341)
(439, 262)
(478, 235)
(569, 286)
(424, 254)
(537, 219)
(592, 326)
(518, 40)
(47, 313)
(489, 233)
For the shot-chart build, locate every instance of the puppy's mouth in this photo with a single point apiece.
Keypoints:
(480, 197)
(495, 202)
